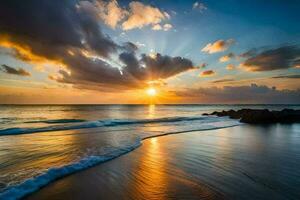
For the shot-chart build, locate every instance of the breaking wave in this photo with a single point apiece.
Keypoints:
(81, 124)
(33, 184)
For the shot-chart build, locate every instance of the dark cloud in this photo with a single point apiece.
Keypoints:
(130, 47)
(223, 80)
(288, 76)
(241, 94)
(53, 23)
(273, 59)
(248, 54)
(161, 67)
(63, 31)
(10, 70)
(135, 73)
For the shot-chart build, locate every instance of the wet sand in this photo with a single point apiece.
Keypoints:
(233, 163)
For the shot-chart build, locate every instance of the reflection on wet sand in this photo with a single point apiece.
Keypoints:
(149, 172)
(231, 163)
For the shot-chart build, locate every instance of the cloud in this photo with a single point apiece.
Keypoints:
(207, 73)
(223, 81)
(109, 12)
(142, 15)
(293, 76)
(135, 74)
(218, 46)
(129, 46)
(156, 27)
(199, 6)
(160, 67)
(297, 63)
(203, 65)
(167, 27)
(77, 29)
(240, 94)
(10, 70)
(137, 15)
(248, 54)
(230, 67)
(89, 58)
(273, 59)
(227, 57)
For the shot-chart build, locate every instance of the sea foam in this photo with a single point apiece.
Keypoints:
(35, 183)
(92, 124)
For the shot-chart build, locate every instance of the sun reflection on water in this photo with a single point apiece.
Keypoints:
(151, 111)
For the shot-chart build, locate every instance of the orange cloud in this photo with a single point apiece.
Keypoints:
(113, 14)
(156, 27)
(207, 73)
(230, 67)
(218, 46)
(226, 58)
(109, 12)
(137, 15)
(24, 52)
(141, 15)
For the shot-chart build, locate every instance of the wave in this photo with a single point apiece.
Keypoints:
(94, 124)
(57, 121)
(52, 174)
(34, 184)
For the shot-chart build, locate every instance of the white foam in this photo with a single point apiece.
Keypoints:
(34, 184)
(94, 124)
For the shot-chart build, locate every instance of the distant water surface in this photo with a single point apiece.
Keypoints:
(39, 144)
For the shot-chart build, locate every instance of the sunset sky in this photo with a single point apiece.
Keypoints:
(75, 51)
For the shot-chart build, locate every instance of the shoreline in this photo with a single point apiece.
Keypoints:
(46, 179)
(43, 192)
(179, 166)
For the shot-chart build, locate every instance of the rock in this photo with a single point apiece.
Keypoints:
(257, 116)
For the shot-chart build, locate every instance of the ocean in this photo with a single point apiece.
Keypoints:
(41, 143)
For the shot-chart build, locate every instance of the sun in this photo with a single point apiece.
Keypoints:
(151, 92)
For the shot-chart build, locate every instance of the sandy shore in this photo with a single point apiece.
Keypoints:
(231, 163)
(145, 173)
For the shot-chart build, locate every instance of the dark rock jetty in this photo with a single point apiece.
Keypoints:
(259, 116)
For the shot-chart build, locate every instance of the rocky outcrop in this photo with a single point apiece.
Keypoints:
(257, 116)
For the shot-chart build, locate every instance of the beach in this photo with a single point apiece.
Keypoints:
(145, 152)
(149, 100)
(243, 162)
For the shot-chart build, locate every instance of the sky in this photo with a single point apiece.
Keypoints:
(113, 52)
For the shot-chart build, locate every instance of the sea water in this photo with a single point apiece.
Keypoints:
(41, 143)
